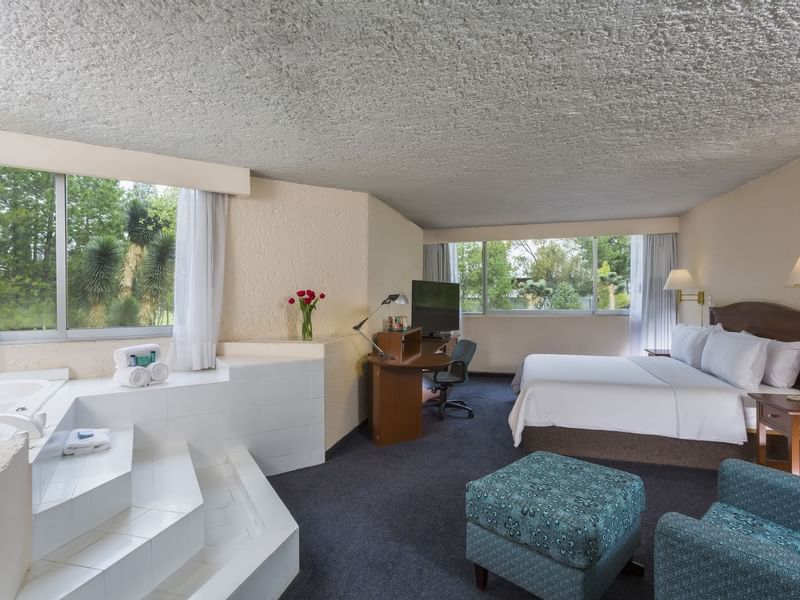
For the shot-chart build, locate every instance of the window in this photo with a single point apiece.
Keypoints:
(84, 256)
(578, 275)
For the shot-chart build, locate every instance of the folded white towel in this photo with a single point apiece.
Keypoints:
(122, 356)
(159, 371)
(77, 443)
(132, 376)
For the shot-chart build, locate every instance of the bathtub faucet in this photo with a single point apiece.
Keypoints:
(33, 425)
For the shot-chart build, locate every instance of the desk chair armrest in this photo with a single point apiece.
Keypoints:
(458, 368)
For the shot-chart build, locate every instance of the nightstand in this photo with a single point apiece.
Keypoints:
(657, 351)
(777, 412)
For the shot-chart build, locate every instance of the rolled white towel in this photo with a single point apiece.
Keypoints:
(122, 356)
(132, 376)
(159, 371)
(86, 441)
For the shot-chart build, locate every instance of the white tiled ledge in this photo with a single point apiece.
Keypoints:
(252, 541)
(134, 551)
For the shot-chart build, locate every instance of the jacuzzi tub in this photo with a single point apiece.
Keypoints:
(25, 396)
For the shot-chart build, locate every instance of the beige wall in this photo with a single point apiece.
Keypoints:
(286, 237)
(552, 230)
(504, 341)
(350, 245)
(84, 358)
(394, 259)
(743, 244)
(75, 158)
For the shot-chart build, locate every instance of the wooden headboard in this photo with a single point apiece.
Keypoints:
(763, 319)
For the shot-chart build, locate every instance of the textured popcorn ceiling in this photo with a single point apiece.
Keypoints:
(456, 113)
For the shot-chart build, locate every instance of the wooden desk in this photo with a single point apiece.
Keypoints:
(776, 412)
(396, 395)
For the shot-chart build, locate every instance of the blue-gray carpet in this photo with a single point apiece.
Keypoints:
(389, 522)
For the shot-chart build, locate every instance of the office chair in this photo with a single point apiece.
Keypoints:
(456, 374)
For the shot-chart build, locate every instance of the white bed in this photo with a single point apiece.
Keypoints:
(641, 395)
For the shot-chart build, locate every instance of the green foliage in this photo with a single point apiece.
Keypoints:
(565, 297)
(100, 268)
(536, 292)
(500, 275)
(105, 219)
(123, 312)
(470, 275)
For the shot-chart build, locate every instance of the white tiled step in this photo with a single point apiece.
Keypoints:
(251, 548)
(127, 556)
(83, 491)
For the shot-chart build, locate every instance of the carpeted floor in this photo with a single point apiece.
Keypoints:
(389, 522)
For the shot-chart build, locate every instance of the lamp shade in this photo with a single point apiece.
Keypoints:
(401, 299)
(681, 279)
(794, 276)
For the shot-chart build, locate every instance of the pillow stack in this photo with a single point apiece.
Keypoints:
(736, 358)
(688, 343)
(742, 359)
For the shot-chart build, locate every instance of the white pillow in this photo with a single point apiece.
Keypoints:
(688, 342)
(783, 362)
(738, 359)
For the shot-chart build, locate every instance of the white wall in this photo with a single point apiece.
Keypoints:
(743, 244)
(504, 341)
(15, 515)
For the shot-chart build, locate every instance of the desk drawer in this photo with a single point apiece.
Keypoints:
(775, 418)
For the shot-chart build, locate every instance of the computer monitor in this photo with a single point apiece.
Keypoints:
(435, 306)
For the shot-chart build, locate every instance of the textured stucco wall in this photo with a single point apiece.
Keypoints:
(15, 514)
(350, 245)
(504, 341)
(394, 252)
(286, 237)
(84, 358)
(742, 245)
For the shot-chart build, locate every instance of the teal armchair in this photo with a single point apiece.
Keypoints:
(746, 546)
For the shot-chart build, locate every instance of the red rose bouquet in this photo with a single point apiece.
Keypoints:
(307, 300)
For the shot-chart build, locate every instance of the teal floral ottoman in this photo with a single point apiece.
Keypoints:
(556, 526)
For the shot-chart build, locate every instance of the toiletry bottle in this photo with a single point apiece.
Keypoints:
(152, 356)
(132, 361)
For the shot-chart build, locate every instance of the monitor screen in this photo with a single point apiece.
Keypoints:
(435, 306)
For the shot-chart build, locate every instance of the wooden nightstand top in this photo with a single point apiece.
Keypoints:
(658, 351)
(779, 401)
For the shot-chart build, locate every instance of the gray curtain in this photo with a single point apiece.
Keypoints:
(437, 262)
(659, 257)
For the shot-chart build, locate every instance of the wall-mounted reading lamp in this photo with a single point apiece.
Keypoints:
(390, 299)
(679, 280)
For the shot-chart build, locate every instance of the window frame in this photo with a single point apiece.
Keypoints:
(505, 312)
(61, 331)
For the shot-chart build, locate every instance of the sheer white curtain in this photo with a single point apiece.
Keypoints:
(635, 311)
(659, 255)
(437, 262)
(199, 277)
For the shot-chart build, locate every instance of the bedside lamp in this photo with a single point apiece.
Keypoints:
(390, 299)
(679, 280)
(794, 276)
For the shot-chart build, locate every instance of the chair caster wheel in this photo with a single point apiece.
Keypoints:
(440, 417)
(471, 414)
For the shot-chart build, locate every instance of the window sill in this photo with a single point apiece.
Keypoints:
(547, 313)
(83, 335)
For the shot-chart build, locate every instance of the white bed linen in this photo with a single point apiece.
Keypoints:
(645, 395)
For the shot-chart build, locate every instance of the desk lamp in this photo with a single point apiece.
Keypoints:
(391, 298)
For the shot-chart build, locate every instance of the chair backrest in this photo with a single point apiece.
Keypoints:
(463, 352)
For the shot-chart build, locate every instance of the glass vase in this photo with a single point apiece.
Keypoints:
(308, 331)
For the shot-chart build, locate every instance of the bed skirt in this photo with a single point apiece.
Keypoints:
(634, 447)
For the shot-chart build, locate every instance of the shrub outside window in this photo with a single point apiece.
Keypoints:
(84, 256)
(584, 275)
